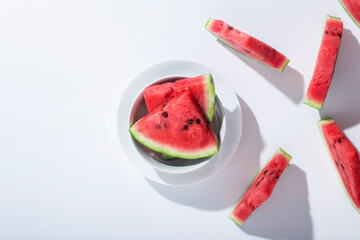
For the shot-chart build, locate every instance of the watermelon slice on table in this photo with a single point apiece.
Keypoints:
(178, 129)
(247, 44)
(325, 63)
(345, 159)
(261, 187)
(201, 87)
(352, 7)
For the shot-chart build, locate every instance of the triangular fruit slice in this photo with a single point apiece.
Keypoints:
(201, 88)
(178, 128)
(344, 157)
(352, 7)
(261, 188)
(325, 63)
(247, 45)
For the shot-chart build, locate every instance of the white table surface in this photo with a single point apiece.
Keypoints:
(63, 68)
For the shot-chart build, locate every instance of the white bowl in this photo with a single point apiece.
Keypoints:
(227, 124)
(174, 165)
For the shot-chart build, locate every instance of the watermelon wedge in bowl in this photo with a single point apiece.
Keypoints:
(178, 129)
(201, 87)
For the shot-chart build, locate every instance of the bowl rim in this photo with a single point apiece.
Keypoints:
(167, 174)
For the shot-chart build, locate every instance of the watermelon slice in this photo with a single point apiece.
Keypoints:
(261, 188)
(325, 63)
(201, 88)
(247, 45)
(352, 7)
(178, 128)
(345, 159)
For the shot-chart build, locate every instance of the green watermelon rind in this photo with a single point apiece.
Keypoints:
(313, 104)
(166, 157)
(320, 123)
(170, 150)
(336, 18)
(281, 69)
(210, 90)
(282, 152)
(343, 5)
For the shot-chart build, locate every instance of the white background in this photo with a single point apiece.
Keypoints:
(63, 68)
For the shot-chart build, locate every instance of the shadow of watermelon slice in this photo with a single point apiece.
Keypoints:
(290, 82)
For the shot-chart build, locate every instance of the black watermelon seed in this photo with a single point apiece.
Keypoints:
(257, 183)
(265, 171)
(339, 140)
(186, 127)
(190, 121)
(198, 121)
(165, 114)
(158, 126)
(277, 177)
(342, 167)
(164, 105)
(262, 179)
(230, 28)
(337, 164)
(326, 32)
(339, 34)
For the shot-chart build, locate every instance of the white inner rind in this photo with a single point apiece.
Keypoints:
(312, 103)
(236, 220)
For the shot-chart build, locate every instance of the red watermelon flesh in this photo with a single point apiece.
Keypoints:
(178, 129)
(325, 63)
(352, 7)
(201, 88)
(344, 157)
(261, 188)
(247, 44)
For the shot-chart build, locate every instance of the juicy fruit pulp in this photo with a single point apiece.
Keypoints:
(352, 7)
(344, 157)
(325, 63)
(201, 88)
(261, 187)
(178, 128)
(247, 45)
